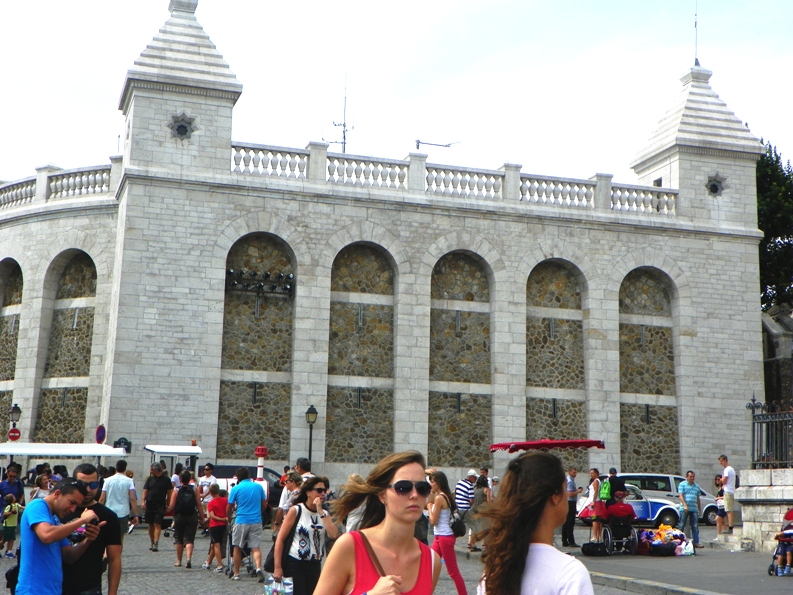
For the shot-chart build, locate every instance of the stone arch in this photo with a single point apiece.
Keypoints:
(11, 285)
(368, 233)
(11, 282)
(569, 297)
(373, 279)
(475, 246)
(562, 251)
(261, 222)
(651, 258)
(58, 265)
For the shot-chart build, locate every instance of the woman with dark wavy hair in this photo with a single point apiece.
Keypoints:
(383, 556)
(305, 552)
(519, 556)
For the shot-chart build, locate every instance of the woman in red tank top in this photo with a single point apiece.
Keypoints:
(394, 495)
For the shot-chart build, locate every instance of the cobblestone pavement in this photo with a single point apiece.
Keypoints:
(149, 573)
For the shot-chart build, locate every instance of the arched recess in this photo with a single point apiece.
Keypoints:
(71, 282)
(11, 282)
(256, 354)
(647, 299)
(460, 408)
(360, 398)
(555, 354)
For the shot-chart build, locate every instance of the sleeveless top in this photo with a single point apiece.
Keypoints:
(366, 575)
(309, 541)
(442, 526)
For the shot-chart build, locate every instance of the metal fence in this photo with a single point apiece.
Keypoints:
(772, 434)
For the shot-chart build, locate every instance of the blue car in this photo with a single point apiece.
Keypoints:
(649, 511)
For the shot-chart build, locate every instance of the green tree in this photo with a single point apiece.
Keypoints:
(775, 219)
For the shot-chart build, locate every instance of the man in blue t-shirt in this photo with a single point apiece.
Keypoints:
(250, 499)
(44, 542)
(13, 485)
(689, 493)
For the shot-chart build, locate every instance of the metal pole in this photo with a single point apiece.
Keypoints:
(310, 439)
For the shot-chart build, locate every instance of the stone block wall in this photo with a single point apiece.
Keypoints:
(569, 423)
(462, 356)
(644, 291)
(647, 360)
(6, 402)
(460, 430)
(252, 342)
(458, 276)
(363, 429)
(554, 360)
(9, 336)
(362, 269)
(78, 278)
(765, 496)
(12, 293)
(69, 352)
(244, 424)
(361, 340)
(61, 417)
(653, 447)
(553, 285)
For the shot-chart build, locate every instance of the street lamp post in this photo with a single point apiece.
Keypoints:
(14, 415)
(311, 419)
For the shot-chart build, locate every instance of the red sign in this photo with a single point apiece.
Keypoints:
(14, 434)
(101, 434)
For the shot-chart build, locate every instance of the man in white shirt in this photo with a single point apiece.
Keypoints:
(118, 494)
(204, 482)
(728, 485)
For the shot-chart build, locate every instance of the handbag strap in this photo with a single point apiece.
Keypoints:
(371, 553)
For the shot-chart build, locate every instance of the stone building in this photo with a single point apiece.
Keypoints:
(198, 288)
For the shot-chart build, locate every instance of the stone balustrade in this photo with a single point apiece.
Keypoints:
(92, 180)
(18, 193)
(262, 160)
(560, 192)
(467, 183)
(365, 171)
(643, 200)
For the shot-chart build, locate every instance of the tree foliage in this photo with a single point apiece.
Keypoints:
(775, 219)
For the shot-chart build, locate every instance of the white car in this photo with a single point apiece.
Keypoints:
(664, 486)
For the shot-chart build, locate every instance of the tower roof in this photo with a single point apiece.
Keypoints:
(182, 54)
(699, 118)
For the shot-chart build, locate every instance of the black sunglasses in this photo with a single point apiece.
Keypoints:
(404, 487)
(318, 490)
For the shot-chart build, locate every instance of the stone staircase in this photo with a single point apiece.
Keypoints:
(734, 541)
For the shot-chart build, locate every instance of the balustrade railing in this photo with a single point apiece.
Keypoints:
(772, 433)
(643, 200)
(365, 171)
(557, 191)
(17, 194)
(262, 160)
(95, 180)
(468, 183)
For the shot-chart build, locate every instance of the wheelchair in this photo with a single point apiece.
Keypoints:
(620, 535)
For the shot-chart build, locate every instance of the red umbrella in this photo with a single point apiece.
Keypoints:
(546, 444)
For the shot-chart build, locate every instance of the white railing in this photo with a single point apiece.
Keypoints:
(643, 200)
(469, 183)
(263, 160)
(94, 180)
(19, 193)
(365, 171)
(561, 192)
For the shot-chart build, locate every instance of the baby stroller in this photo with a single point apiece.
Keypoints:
(247, 558)
(785, 539)
(620, 535)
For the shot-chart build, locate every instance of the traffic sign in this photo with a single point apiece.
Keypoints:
(101, 434)
(14, 434)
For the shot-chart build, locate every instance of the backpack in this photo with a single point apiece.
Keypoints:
(737, 481)
(605, 490)
(185, 500)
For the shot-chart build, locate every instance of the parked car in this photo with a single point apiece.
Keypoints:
(649, 511)
(664, 486)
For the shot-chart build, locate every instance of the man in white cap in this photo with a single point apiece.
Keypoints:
(464, 498)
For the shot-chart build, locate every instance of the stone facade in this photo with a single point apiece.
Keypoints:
(6, 402)
(649, 446)
(647, 360)
(61, 415)
(460, 430)
(12, 287)
(567, 423)
(450, 253)
(363, 425)
(245, 422)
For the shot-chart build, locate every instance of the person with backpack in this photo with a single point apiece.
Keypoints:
(611, 486)
(186, 506)
(10, 522)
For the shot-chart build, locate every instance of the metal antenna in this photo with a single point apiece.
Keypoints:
(343, 125)
(696, 35)
(447, 145)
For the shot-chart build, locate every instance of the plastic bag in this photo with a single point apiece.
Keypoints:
(688, 549)
(283, 587)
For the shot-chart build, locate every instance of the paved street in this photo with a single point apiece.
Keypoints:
(715, 571)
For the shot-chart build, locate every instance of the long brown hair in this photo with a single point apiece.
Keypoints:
(530, 480)
(356, 494)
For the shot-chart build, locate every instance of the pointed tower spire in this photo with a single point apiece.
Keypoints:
(703, 149)
(178, 99)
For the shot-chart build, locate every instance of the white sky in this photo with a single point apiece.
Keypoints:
(564, 87)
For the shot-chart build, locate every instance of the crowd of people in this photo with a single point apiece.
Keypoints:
(371, 538)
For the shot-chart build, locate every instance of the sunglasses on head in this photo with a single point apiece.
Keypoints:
(404, 487)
